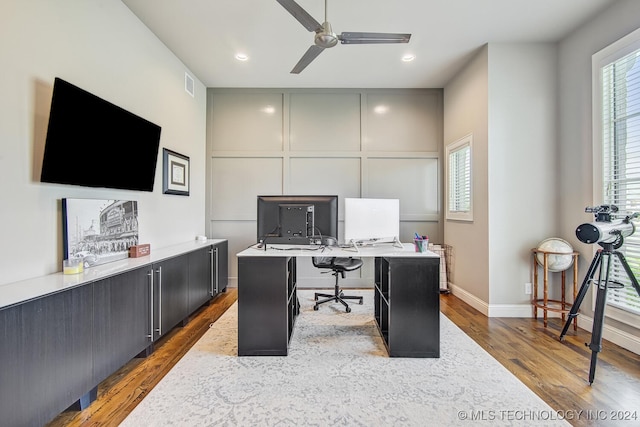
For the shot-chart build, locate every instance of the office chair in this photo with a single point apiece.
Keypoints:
(338, 266)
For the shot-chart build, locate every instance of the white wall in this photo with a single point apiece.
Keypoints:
(575, 152)
(466, 106)
(102, 47)
(505, 98)
(522, 167)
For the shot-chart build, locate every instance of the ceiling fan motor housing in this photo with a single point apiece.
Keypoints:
(326, 37)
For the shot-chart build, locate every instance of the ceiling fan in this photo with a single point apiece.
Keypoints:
(326, 38)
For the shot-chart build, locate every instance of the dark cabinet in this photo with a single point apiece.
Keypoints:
(208, 274)
(407, 305)
(170, 293)
(406, 300)
(56, 349)
(268, 305)
(201, 282)
(221, 266)
(45, 356)
(122, 323)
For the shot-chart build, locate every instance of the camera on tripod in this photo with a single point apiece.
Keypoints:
(609, 234)
(606, 230)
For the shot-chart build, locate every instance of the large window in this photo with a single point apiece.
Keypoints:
(617, 136)
(459, 188)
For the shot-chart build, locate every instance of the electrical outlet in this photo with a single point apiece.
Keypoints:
(527, 288)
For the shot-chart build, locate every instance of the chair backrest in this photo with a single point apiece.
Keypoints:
(322, 261)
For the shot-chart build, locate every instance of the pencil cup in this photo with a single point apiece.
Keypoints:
(421, 244)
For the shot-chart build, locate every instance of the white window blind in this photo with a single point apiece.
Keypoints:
(460, 196)
(620, 80)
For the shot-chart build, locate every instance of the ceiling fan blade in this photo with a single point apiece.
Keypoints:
(301, 15)
(373, 38)
(306, 59)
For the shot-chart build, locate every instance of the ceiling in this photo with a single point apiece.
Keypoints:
(207, 34)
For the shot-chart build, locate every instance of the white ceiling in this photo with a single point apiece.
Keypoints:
(206, 34)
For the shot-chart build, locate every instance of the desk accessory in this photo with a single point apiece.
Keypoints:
(138, 251)
(72, 266)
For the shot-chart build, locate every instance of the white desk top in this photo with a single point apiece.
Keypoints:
(25, 290)
(380, 250)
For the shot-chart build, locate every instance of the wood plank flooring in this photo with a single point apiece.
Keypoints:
(556, 371)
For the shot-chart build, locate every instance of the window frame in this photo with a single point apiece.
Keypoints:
(610, 54)
(452, 148)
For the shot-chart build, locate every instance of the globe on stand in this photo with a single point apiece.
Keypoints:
(556, 261)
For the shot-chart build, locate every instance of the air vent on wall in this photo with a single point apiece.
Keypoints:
(189, 85)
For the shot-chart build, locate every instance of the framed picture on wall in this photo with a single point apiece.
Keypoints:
(175, 173)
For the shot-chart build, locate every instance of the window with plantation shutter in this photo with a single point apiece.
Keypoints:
(617, 70)
(459, 188)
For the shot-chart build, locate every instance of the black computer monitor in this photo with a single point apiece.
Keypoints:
(297, 220)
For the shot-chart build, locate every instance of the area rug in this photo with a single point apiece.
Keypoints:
(338, 373)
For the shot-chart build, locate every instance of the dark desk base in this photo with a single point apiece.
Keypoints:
(407, 305)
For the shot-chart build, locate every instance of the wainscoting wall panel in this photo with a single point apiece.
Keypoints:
(378, 143)
(325, 121)
(245, 121)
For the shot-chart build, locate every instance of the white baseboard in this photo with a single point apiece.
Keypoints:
(616, 336)
(470, 299)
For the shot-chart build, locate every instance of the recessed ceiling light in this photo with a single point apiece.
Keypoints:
(408, 58)
(241, 56)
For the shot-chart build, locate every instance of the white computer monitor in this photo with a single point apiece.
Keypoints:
(370, 221)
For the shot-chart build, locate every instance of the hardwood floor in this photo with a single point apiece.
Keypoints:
(556, 371)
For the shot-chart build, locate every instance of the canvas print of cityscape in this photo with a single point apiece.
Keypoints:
(99, 231)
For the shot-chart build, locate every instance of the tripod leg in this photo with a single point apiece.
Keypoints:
(598, 320)
(581, 294)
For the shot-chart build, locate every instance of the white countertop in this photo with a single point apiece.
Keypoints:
(379, 250)
(25, 290)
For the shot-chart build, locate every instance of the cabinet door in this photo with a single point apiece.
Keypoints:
(200, 277)
(45, 356)
(414, 307)
(122, 324)
(171, 282)
(221, 266)
(263, 318)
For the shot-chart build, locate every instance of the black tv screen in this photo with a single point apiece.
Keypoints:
(296, 220)
(94, 143)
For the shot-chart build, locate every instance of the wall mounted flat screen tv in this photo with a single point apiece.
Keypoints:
(297, 220)
(94, 143)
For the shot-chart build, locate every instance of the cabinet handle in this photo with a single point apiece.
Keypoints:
(159, 271)
(211, 264)
(150, 274)
(215, 276)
